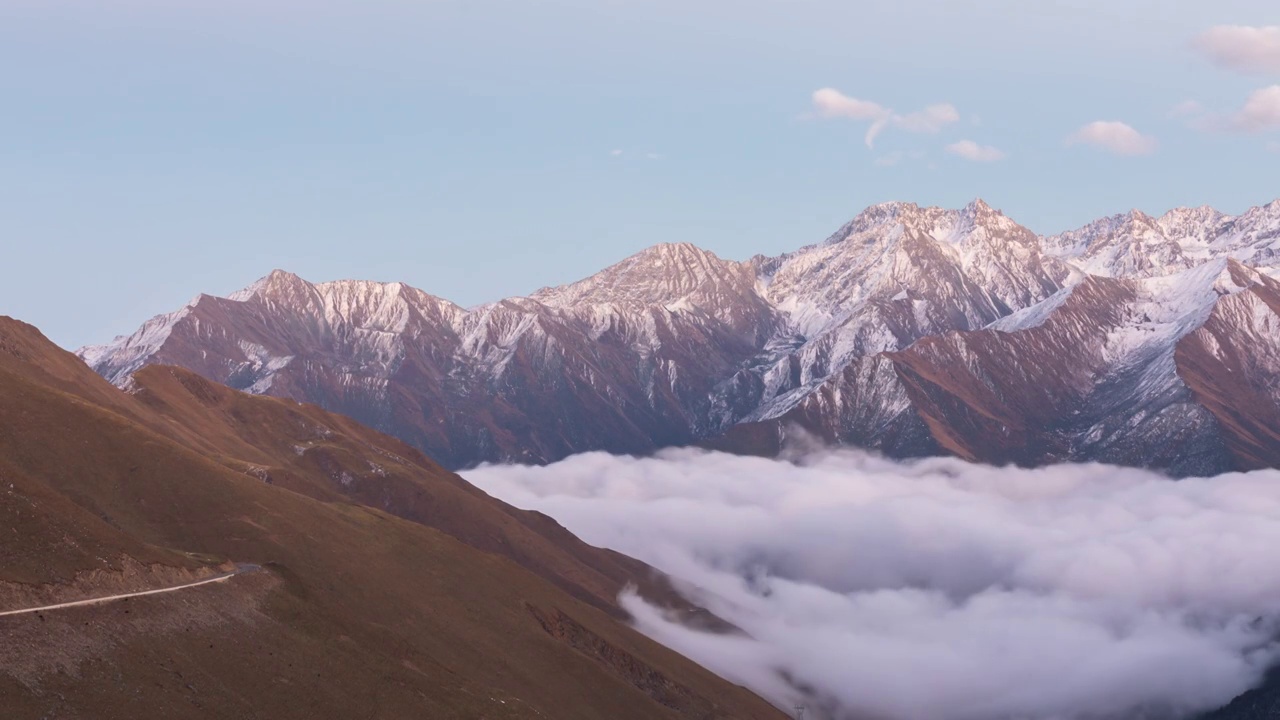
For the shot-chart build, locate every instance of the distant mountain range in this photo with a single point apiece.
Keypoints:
(912, 331)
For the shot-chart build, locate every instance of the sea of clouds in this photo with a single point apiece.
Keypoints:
(938, 589)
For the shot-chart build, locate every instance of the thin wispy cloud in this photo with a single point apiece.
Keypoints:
(829, 103)
(1186, 108)
(970, 150)
(1261, 111)
(941, 589)
(647, 155)
(1115, 137)
(891, 160)
(898, 157)
(929, 120)
(1241, 48)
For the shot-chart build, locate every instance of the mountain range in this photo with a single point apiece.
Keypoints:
(1135, 340)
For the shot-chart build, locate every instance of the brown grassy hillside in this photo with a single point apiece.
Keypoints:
(390, 588)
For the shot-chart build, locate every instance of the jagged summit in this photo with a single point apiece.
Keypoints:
(942, 224)
(274, 282)
(979, 210)
(1182, 216)
(281, 287)
(662, 274)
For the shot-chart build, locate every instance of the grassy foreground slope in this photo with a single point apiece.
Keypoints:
(390, 588)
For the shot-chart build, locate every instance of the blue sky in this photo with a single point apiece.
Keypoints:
(159, 148)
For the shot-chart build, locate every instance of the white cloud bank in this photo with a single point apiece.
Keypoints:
(829, 103)
(1253, 50)
(970, 150)
(1115, 137)
(940, 589)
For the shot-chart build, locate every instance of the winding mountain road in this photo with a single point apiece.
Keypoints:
(240, 569)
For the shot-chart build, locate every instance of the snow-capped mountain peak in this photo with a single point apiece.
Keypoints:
(660, 275)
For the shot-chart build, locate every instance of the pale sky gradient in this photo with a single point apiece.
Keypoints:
(159, 148)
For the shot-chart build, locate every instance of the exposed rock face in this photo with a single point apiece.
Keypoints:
(1096, 380)
(1231, 364)
(911, 330)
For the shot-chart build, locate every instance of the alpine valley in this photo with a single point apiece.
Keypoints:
(1135, 340)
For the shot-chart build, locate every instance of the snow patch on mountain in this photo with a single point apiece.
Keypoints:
(1033, 316)
(263, 364)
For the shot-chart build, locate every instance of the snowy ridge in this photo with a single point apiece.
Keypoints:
(1136, 244)
(129, 353)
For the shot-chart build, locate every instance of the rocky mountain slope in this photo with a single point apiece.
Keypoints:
(388, 586)
(911, 330)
